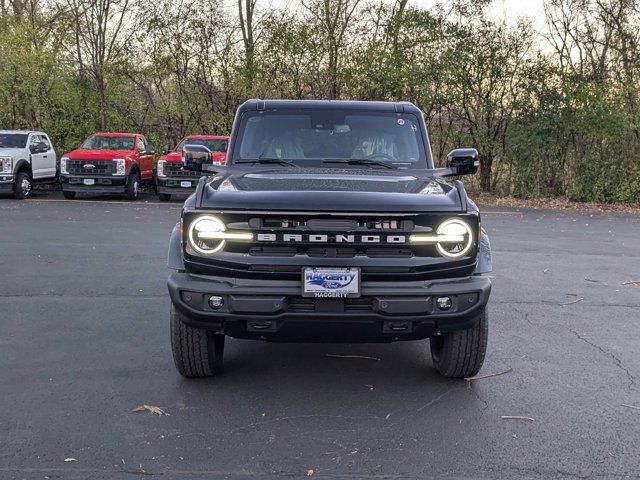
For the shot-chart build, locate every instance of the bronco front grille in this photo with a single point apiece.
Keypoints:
(283, 243)
(318, 237)
(91, 167)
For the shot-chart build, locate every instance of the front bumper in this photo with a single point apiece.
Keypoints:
(275, 310)
(102, 184)
(174, 185)
(6, 183)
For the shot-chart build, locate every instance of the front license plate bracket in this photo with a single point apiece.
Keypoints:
(320, 282)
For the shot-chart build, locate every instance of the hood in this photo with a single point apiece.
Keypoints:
(86, 154)
(13, 152)
(177, 157)
(172, 157)
(332, 190)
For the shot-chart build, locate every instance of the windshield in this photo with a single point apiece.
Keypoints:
(13, 140)
(100, 142)
(331, 138)
(213, 145)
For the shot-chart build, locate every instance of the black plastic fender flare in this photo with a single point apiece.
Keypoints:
(174, 256)
(484, 264)
(19, 164)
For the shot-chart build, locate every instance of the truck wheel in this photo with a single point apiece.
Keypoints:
(133, 186)
(22, 185)
(68, 195)
(196, 352)
(164, 197)
(461, 354)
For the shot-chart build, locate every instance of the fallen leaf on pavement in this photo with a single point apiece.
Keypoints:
(69, 459)
(470, 379)
(517, 417)
(363, 357)
(150, 408)
(632, 282)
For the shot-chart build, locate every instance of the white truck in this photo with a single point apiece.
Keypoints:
(26, 157)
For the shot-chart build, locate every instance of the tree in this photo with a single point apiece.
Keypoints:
(333, 18)
(102, 31)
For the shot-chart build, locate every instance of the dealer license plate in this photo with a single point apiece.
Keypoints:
(89, 181)
(331, 282)
(185, 184)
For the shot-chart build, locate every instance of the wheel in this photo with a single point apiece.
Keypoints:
(461, 354)
(196, 352)
(68, 195)
(22, 185)
(133, 186)
(164, 197)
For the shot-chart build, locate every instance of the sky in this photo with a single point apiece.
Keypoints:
(499, 8)
(510, 10)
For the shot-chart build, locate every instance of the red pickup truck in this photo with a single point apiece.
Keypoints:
(172, 179)
(107, 163)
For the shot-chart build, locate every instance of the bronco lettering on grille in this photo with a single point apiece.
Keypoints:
(326, 238)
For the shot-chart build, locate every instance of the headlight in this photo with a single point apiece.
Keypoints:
(7, 164)
(63, 166)
(208, 234)
(453, 238)
(160, 168)
(120, 166)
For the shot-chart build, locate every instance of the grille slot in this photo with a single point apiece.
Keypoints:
(174, 169)
(302, 304)
(99, 167)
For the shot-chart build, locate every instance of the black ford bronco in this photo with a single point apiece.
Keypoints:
(329, 223)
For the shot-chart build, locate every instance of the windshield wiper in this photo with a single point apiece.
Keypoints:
(278, 161)
(358, 161)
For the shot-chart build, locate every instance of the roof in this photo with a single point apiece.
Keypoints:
(25, 132)
(115, 134)
(207, 137)
(397, 107)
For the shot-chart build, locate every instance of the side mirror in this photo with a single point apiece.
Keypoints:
(195, 156)
(463, 160)
(165, 149)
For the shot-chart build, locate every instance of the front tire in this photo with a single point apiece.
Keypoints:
(196, 352)
(461, 354)
(68, 194)
(22, 186)
(133, 186)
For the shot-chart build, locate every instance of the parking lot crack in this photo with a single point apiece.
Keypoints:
(631, 378)
(434, 400)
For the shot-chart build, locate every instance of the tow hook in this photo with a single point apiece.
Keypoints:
(396, 327)
(261, 326)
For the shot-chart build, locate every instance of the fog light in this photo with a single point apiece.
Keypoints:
(216, 302)
(443, 303)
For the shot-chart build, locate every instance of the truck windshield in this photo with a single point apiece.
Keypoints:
(213, 145)
(102, 142)
(331, 139)
(13, 140)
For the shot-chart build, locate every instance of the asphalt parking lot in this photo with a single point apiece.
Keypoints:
(84, 340)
